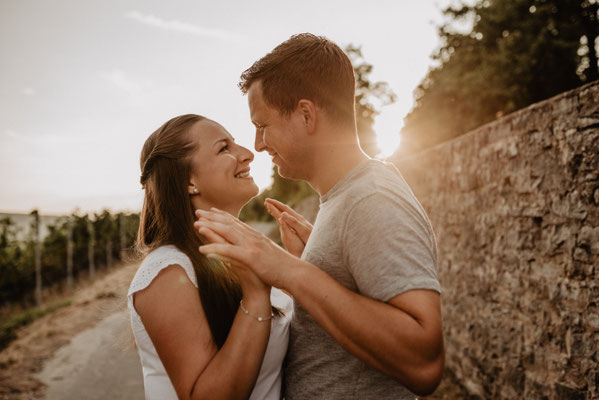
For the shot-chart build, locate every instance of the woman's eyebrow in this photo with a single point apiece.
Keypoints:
(218, 141)
(223, 140)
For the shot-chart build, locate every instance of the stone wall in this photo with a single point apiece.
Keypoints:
(514, 205)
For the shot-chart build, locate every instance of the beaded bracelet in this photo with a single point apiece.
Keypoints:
(260, 319)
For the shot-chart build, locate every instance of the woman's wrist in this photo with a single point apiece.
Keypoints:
(257, 303)
(255, 290)
(263, 315)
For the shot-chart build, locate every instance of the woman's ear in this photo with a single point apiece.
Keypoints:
(308, 113)
(192, 189)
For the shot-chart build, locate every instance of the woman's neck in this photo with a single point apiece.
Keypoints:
(198, 204)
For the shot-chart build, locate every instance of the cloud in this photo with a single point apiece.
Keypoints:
(118, 78)
(28, 91)
(185, 27)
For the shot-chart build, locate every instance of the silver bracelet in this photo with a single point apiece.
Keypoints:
(260, 319)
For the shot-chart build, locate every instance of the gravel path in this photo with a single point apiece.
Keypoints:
(96, 365)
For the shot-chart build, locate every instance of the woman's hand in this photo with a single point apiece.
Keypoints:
(240, 243)
(251, 284)
(295, 229)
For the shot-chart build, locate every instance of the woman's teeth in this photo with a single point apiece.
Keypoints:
(242, 175)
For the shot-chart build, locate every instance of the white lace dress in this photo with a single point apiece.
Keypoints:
(157, 384)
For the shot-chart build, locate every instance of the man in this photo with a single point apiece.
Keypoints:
(367, 322)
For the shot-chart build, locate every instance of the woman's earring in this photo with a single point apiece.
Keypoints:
(195, 190)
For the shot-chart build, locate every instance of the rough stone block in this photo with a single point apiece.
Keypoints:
(589, 237)
(515, 207)
(588, 99)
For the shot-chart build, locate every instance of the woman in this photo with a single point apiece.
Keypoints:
(203, 329)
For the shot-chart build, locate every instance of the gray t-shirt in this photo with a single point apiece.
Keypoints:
(373, 237)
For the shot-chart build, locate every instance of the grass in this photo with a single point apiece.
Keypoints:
(106, 295)
(9, 327)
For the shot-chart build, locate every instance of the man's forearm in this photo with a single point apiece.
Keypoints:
(407, 347)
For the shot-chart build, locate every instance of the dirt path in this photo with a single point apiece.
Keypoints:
(94, 366)
(79, 352)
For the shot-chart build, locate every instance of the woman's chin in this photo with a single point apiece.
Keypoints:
(252, 194)
(256, 191)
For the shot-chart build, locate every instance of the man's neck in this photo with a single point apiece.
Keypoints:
(333, 163)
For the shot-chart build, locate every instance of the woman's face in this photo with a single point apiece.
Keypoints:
(219, 169)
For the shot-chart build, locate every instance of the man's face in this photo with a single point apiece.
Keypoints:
(283, 137)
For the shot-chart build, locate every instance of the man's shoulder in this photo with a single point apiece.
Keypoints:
(377, 181)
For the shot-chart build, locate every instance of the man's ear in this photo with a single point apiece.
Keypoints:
(309, 114)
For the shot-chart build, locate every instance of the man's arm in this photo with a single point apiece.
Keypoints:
(402, 338)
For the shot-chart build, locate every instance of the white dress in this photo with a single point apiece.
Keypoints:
(157, 384)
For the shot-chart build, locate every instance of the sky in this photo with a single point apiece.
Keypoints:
(84, 83)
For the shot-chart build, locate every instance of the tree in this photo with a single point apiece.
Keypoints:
(17, 274)
(367, 94)
(54, 253)
(107, 234)
(516, 53)
(128, 225)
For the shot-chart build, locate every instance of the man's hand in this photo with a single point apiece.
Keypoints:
(233, 241)
(295, 229)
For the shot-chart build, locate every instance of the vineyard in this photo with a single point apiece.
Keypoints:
(73, 247)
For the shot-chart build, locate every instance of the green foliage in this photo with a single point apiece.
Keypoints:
(105, 227)
(8, 328)
(16, 263)
(516, 53)
(106, 295)
(17, 257)
(81, 238)
(128, 224)
(54, 253)
(367, 94)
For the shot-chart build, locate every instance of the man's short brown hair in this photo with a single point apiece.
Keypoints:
(306, 67)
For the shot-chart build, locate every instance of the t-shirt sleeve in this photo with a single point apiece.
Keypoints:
(389, 247)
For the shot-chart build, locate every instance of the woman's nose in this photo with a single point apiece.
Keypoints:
(245, 155)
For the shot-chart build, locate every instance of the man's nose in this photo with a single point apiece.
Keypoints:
(259, 141)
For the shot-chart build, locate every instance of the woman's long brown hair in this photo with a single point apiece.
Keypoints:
(167, 218)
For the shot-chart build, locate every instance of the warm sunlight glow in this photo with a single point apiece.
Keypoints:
(387, 126)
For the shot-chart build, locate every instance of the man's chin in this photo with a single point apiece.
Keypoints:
(285, 173)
